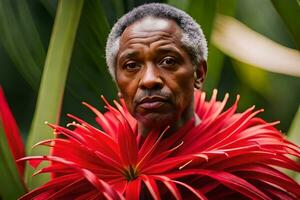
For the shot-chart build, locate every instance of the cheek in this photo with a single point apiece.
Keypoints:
(186, 95)
(128, 90)
(183, 88)
(183, 80)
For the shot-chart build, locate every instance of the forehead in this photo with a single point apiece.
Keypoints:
(149, 29)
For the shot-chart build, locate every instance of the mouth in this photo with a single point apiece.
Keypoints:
(152, 102)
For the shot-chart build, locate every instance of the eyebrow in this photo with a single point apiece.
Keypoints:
(167, 49)
(128, 54)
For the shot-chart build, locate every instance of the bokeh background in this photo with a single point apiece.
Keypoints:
(253, 51)
(52, 59)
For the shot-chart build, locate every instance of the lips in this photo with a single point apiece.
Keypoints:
(152, 102)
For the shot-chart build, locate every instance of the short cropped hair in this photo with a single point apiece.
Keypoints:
(193, 39)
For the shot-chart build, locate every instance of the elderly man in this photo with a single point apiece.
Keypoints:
(157, 56)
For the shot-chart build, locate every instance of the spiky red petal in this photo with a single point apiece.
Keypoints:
(12, 133)
(228, 155)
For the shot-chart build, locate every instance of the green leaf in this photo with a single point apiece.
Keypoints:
(215, 56)
(20, 38)
(89, 71)
(248, 73)
(294, 131)
(183, 5)
(119, 7)
(53, 81)
(202, 11)
(214, 69)
(290, 13)
(50, 6)
(11, 182)
(258, 52)
(294, 136)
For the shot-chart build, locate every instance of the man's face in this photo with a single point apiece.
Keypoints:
(155, 74)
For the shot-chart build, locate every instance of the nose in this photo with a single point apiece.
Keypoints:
(151, 78)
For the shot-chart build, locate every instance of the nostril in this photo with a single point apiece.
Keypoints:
(153, 86)
(157, 86)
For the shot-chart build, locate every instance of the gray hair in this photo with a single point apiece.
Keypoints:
(192, 39)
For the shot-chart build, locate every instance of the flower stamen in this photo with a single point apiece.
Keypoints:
(131, 173)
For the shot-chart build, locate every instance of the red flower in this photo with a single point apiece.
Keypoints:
(227, 156)
(11, 132)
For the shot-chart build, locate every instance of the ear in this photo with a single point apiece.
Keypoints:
(199, 74)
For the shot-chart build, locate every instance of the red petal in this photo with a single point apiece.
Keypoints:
(151, 185)
(270, 176)
(50, 186)
(11, 131)
(231, 181)
(102, 186)
(108, 128)
(133, 190)
(197, 193)
(170, 185)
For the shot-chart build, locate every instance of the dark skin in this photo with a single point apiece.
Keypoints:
(155, 74)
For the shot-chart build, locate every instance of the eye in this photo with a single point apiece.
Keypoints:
(168, 61)
(131, 66)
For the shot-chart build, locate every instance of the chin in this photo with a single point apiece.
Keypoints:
(156, 120)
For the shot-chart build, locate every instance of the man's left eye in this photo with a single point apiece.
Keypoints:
(168, 61)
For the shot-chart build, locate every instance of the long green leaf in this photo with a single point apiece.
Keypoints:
(294, 136)
(248, 73)
(20, 38)
(88, 76)
(50, 6)
(53, 80)
(202, 11)
(216, 57)
(214, 69)
(183, 5)
(290, 13)
(260, 51)
(294, 131)
(119, 7)
(11, 183)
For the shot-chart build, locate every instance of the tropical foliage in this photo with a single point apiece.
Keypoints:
(52, 58)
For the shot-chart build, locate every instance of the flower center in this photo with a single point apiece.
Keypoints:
(131, 173)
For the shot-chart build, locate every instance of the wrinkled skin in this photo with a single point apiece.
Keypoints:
(155, 74)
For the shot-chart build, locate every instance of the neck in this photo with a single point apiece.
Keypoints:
(145, 130)
(173, 128)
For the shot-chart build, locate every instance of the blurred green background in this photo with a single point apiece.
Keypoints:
(26, 28)
(52, 58)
